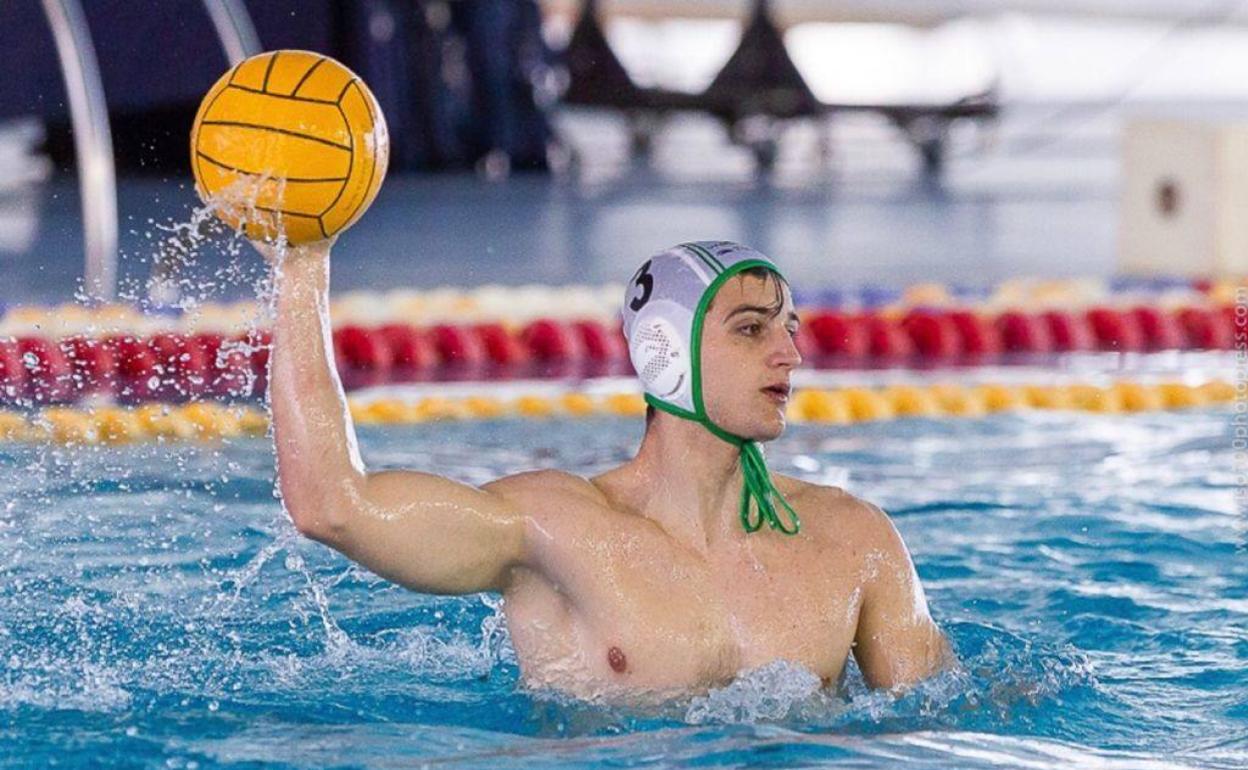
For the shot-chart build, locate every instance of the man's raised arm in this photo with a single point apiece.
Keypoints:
(425, 532)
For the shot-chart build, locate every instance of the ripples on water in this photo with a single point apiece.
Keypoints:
(156, 608)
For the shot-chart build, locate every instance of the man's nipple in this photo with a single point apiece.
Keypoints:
(616, 659)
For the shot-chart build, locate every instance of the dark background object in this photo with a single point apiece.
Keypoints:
(454, 79)
(759, 83)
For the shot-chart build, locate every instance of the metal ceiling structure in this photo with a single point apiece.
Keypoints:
(928, 12)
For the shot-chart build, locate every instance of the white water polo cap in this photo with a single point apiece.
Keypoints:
(665, 306)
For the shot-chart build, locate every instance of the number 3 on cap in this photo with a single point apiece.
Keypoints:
(646, 282)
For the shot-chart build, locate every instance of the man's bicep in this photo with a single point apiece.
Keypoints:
(432, 534)
(897, 643)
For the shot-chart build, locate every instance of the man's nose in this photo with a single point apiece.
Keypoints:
(787, 354)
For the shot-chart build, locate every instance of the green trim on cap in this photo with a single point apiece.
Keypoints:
(672, 409)
(699, 317)
(707, 256)
(757, 486)
(715, 265)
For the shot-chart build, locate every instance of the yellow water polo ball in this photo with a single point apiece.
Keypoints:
(289, 142)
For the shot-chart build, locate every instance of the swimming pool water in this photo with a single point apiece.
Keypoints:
(157, 609)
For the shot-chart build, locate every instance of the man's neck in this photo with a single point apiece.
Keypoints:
(689, 481)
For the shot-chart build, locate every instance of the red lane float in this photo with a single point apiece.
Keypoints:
(12, 373)
(137, 379)
(977, 335)
(551, 341)
(94, 365)
(1158, 329)
(180, 366)
(49, 375)
(227, 366)
(604, 347)
(411, 354)
(1023, 333)
(1068, 333)
(175, 367)
(933, 335)
(358, 348)
(457, 348)
(599, 342)
(257, 345)
(502, 348)
(1235, 318)
(1114, 331)
(885, 338)
(1206, 330)
(210, 347)
(362, 357)
(806, 344)
(839, 335)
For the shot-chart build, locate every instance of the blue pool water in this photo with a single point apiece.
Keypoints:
(156, 609)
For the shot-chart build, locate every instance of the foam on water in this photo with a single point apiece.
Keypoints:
(769, 692)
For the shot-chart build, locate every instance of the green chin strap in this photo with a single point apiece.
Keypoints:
(757, 487)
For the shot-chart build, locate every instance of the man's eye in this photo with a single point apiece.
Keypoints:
(750, 329)
(792, 331)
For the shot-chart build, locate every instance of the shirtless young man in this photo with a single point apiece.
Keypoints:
(646, 581)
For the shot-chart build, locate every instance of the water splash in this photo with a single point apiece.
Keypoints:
(767, 693)
(495, 645)
(242, 578)
(337, 644)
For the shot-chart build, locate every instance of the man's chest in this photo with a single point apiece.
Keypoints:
(798, 609)
(643, 616)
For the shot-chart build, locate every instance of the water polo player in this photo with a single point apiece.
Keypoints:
(674, 572)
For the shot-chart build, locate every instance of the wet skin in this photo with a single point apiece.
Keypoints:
(617, 606)
(639, 583)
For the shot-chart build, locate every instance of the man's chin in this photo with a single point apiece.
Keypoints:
(765, 426)
(769, 432)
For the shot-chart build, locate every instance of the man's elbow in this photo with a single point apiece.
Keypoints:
(315, 527)
(931, 656)
(316, 514)
(898, 662)
(942, 656)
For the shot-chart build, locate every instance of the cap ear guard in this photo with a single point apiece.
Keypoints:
(658, 316)
(660, 354)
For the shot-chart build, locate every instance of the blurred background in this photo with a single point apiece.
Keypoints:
(859, 142)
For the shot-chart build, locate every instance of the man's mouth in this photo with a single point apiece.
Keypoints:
(778, 392)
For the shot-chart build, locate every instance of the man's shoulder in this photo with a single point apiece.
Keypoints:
(547, 485)
(831, 510)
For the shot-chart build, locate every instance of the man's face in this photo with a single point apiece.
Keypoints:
(747, 356)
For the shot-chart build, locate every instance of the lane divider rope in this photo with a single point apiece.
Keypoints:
(208, 421)
(172, 366)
